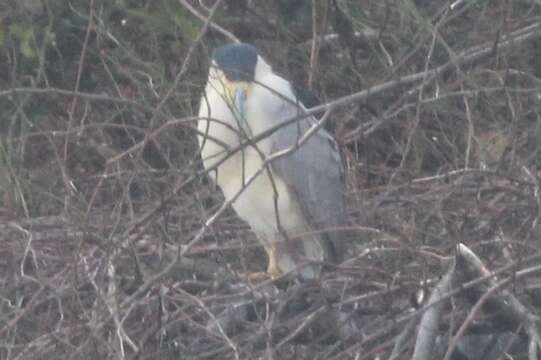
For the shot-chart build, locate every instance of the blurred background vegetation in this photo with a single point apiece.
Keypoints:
(100, 176)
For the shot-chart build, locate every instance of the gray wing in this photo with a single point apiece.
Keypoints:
(314, 173)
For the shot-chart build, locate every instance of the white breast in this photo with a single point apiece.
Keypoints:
(257, 204)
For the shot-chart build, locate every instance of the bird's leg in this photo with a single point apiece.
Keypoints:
(257, 276)
(273, 270)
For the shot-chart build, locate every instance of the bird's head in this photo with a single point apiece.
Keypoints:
(235, 63)
(234, 70)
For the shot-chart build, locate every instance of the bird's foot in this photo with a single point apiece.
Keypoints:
(259, 276)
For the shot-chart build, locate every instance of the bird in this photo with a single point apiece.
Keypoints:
(295, 203)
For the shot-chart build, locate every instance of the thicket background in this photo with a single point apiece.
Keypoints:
(104, 251)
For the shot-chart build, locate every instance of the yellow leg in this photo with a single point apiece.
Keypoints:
(273, 269)
(257, 276)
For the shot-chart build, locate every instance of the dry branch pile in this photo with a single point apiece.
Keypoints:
(109, 243)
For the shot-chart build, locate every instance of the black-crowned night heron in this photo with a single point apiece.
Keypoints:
(295, 205)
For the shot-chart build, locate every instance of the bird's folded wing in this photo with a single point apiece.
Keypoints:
(314, 174)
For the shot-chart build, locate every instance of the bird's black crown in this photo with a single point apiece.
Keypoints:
(237, 61)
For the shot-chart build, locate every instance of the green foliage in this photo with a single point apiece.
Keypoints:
(2, 35)
(165, 17)
(24, 36)
(358, 16)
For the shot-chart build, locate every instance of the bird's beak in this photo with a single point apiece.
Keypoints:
(239, 99)
(240, 94)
